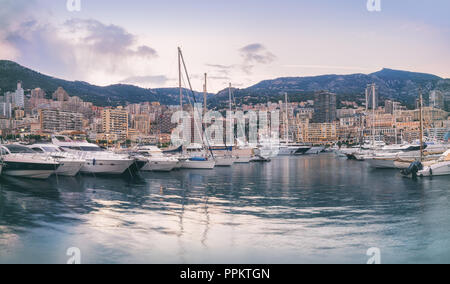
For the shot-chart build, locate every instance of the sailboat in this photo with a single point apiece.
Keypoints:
(288, 148)
(242, 152)
(438, 168)
(226, 158)
(195, 157)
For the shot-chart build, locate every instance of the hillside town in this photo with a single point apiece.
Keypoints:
(34, 114)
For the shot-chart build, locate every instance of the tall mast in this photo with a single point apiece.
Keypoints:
(231, 132)
(179, 78)
(229, 98)
(395, 123)
(197, 127)
(205, 109)
(286, 130)
(421, 125)
(373, 115)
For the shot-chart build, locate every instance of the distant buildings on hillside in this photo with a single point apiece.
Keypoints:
(317, 121)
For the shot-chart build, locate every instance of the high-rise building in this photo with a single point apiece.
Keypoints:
(115, 121)
(19, 96)
(437, 99)
(37, 94)
(324, 107)
(141, 122)
(5, 110)
(371, 96)
(57, 121)
(60, 95)
(164, 123)
(391, 106)
(37, 98)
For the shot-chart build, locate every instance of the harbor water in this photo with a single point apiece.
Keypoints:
(309, 209)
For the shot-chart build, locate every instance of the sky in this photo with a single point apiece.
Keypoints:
(235, 41)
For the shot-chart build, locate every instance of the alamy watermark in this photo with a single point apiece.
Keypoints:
(213, 129)
(75, 255)
(374, 255)
(374, 5)
(73, 5)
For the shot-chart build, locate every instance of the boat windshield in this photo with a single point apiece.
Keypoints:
(91, 149)
(51, 149)
(83, 148)
(17, 149)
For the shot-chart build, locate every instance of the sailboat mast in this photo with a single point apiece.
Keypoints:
(373, 115)
(421, 125)
(231, 132)
(395, 123)
(229, 97)
(205, 96)
(179, 78)
(286, 130)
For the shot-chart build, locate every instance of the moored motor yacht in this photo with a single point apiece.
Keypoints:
(439, 167)
(156, 160)
(315, 150)
(98, 161)
(20, 161)
(293, 149)
(399, 160)
(70, 165)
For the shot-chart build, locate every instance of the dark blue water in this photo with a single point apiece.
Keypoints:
(318, 209)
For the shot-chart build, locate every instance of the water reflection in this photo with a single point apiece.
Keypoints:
(306, 209)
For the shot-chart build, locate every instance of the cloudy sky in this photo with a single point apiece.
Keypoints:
(238, 41)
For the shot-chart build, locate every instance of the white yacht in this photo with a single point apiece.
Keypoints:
(20, 161)
(243, 152)
(267, 149)
(401, 156)
(315, 150)
(196, 158)
(198, 163)
(400, 160)
(293, 149)
(225, 161)
(70, 165)
(223, 155)
(243, 159)
(98, 161)
(437, 168)
(156, 160)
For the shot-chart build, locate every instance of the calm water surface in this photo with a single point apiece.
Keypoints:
(318, 209)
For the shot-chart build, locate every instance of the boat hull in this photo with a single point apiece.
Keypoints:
(225, 161)
(242, 160)
(32, 174)
(160, 166)
(287, 151)
(381, 163)
(69, 168)
(107, 167)
(315, 150)
(439, 169)
(33, 170)
(206, 165)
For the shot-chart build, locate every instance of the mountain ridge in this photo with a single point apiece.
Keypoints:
(400, 85)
